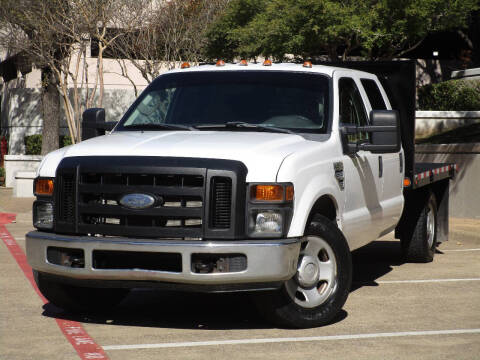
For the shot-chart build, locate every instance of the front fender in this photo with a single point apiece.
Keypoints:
(312, 178)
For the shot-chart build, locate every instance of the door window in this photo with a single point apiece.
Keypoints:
(352, 110)
(374, 95)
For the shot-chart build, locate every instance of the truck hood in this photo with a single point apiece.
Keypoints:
(261, 152)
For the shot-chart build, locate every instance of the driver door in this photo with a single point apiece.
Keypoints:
(362, 217)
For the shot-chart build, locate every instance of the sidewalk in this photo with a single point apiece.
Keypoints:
(20, 206)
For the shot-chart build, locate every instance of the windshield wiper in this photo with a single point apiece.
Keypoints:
(241, 124)
(159, 126)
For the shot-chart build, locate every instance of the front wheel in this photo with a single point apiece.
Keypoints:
(321, 285)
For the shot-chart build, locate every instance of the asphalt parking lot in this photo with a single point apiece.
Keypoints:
(395, 311)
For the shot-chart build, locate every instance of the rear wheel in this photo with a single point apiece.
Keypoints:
(420, 244)
(321, 285)
(77, 298)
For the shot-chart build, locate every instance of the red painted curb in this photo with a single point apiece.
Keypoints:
(83, 344)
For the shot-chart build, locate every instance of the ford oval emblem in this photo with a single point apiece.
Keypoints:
(137, 201)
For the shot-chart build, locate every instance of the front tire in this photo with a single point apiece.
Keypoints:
(318, 291)
(78, 299)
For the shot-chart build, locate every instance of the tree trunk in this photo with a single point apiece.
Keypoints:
(50, 112)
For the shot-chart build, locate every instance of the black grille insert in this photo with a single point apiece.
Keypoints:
(136, 260)
(67, 199)
(221, 204)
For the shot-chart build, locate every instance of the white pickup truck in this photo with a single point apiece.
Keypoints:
(236, 177)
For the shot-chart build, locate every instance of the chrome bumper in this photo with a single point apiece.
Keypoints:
(267, 260)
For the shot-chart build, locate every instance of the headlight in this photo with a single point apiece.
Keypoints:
(268, 222)
(270, 208)
(43, 215)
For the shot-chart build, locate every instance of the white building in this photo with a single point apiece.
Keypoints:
(20, 94)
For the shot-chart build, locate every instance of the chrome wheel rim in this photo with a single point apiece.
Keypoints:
(316, 277)
(430, 225)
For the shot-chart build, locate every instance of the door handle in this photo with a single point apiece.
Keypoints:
(380, 166)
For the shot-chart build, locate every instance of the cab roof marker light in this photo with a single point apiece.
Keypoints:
(307, 64)
(185, 65)
(267, 62)
(243, 62)
(220, 63)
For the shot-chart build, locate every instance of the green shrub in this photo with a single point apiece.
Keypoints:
(2, 172)
(65, 140)
(454, 95)
(33, 145)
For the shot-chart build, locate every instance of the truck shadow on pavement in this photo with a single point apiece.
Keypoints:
(175, 310)
(374, 260)
(183, 310)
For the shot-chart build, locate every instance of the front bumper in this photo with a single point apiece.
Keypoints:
(267, 260)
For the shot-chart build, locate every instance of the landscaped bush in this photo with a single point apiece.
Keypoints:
(2, 172)
(33, 143)
(454, 95)
(65, 140)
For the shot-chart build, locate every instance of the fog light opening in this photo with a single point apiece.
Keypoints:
(218, 263)
(67, 257)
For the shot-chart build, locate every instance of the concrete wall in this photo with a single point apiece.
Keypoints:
(465, 188)
(433, 122)
(19, 163)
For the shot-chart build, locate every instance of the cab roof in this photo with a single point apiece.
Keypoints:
(319, 69)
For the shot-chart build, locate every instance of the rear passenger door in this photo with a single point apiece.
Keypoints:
(392, 163)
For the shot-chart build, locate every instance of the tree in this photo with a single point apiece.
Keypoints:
(224, 34)
(54, 34)
(310, 28)
(399, 26)
(167, 34)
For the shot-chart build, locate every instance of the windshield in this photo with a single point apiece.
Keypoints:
(216, 100)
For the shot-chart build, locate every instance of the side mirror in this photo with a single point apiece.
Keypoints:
(94, 124)
(384, 133)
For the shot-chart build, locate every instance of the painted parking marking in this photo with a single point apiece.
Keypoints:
(459, 250)
(292, 339)
(418, 281)
(424, 281)
(83, 344)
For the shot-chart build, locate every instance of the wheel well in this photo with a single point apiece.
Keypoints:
(325, 206)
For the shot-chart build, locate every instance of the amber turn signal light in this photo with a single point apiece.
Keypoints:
(267, 192)
(406, 182)
(185, 65)
(44, 187)
(289, 193)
